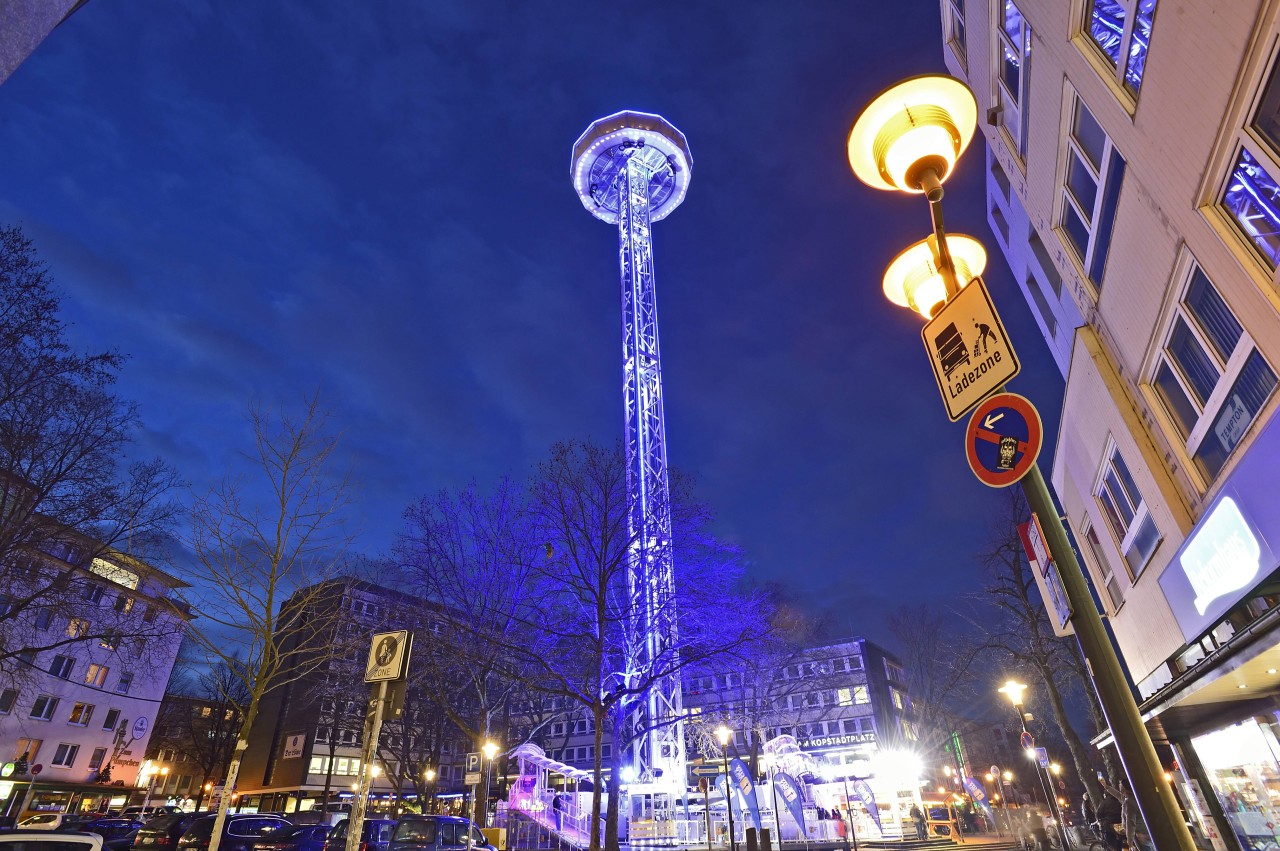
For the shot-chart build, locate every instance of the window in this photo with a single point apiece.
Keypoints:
(897, 698)
(111, 719)
(860, 695)
(77, 627)
(96, 675)
(8, 698)
(1013, 75)
(80, 714)
(1090, 191)
(953, 23)
(1209, 376)
(44, 707)
(149, 614)
(1135, 532)
(1121, 30)
(95, 761)
(30, 748)
(124, 604)
(61, 667)
(43, 619)
(1108, 576)
(844, 697)
(65, 755)
(93, 592)
(110, 639)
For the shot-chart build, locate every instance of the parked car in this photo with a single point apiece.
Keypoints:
(117, 833)
(431, 833)
(306, 837)
(43, 821)
(239, 832)
(375, 835)
(48, 840)
(163, 832)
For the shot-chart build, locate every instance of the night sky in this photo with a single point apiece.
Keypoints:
(373, 199)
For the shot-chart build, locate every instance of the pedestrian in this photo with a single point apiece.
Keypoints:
(557, 807)
(918, 817)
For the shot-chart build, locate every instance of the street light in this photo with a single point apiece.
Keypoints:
(490, 750)
(430, 775)
(724, 734)
(908, 139)
(1014, 690)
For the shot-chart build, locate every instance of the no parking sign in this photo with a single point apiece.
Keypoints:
(1003, 439)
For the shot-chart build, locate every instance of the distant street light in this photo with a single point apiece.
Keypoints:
(724, 734)
(430, 775)
(908, 139)
(1014, 690)
(490, 750)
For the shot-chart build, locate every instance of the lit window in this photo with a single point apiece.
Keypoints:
(1211, 378)
(96, 675)
(954, 24)
(844, 697)
(65, 755)
(1013, 73)
(1105, 573)
(1090, 191)
(77, 627)
(1135, 531)
(61, 667)
(860, 695)
(80, 714)
(1121, 29)
(110, 639)
(123, 604)
(44, 707)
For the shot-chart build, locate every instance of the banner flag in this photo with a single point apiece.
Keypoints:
(979, 796)
(863, 790)
(745, 784)
(789, 789)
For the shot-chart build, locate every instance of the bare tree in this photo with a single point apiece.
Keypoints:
(1019, 636)
(259, 541)
(471, 554)
(68, 499)
(594, 647)
(939, 661)
(201, 720)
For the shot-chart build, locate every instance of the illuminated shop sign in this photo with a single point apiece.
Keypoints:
(1227, 553)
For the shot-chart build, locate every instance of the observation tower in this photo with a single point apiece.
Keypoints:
(632, 169)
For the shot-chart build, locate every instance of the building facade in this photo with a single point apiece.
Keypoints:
(1133, 185)
(78, 708)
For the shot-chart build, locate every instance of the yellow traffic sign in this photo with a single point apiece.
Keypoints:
(969, 350)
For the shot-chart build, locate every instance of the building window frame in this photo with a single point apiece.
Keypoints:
(1196, 370)
(1136, 21)
(44, 707)
(62, 666)
(953, 24)
(1134, 531)
(1089, 189)
(1012, 57)
(81, 714)
(64, 756)
(1105, 576)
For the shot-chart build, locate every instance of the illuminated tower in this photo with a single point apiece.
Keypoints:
(632, 169)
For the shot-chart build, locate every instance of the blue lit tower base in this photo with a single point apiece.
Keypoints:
(632, 169)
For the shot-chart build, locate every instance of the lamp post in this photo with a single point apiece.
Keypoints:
(1014, 690)
(430, 775)
(994, 774)
(723, 733)
(163, 771)
(490, 750)
(908, 140)
(773, 791)
(848, 809)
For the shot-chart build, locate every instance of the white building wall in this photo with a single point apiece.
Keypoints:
(1179, 137)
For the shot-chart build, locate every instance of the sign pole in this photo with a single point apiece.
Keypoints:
(372, 729)
(1133, 743)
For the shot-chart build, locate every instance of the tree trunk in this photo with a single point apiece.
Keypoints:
(597, 771)
(233, 771)
(611, 842)
(1079, 754)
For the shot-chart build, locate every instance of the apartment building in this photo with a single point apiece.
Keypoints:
(1133, 185)
(78, 706)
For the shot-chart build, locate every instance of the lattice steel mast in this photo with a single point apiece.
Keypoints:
(632, 169)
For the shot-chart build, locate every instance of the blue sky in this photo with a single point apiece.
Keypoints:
(373, 199)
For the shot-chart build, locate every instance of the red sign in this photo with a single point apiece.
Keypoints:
(1003, 439)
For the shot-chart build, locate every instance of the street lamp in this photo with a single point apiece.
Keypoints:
(724, 734)
(1014, 690)
(430, 775)
(490, 750)
(908, 139)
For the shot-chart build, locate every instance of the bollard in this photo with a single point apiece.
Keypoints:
(752, 843)
(766, 840)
